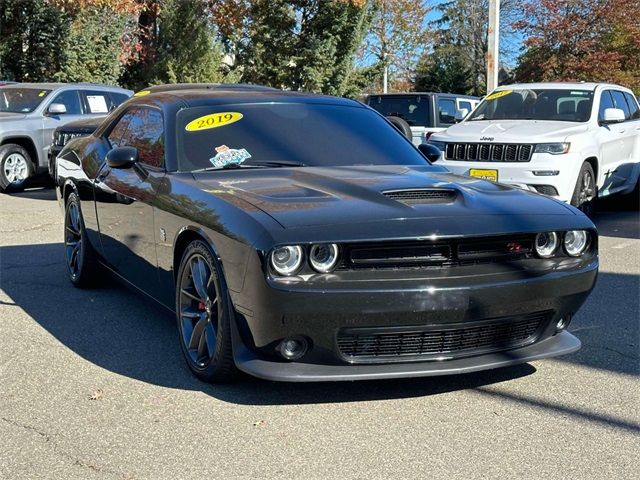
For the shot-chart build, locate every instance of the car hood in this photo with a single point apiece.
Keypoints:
(509, 131)
(314, 196)
(4, 116)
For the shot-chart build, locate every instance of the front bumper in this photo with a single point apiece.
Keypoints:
(269, 311)
(521, 174)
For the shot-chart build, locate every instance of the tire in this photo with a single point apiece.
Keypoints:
(585, 192)
(204, 314)
(402, 126)
(16, 167)
(81, 260)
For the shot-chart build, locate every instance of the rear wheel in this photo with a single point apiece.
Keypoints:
(585, 191)
(16, 167)
(204, 315)
(82, 265)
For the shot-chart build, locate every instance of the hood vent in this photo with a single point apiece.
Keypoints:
(422, 196)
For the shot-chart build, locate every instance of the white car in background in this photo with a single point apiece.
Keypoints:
(572, 141)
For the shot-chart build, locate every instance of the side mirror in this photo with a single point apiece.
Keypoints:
(122, 157)
(430, 151)
(612, 115)
(57, 109)
(461, 114)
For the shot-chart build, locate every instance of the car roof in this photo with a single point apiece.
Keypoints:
(207, 86)
(560, 86)
(55, 86)
(194, 97)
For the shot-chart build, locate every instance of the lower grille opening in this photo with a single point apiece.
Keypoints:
(387, 344)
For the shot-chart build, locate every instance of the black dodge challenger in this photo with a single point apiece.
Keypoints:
(302, 238)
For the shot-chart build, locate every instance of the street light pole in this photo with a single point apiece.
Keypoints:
(493, 45)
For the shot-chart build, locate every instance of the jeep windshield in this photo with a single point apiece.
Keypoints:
(21, 100)
(269, 135)
(536, 104)
(413, 109)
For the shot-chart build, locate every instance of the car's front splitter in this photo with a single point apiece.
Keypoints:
(560, 344)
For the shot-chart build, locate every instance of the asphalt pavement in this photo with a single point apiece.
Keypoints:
(93, 385)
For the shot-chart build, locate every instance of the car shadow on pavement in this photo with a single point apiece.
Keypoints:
(120, 331)
(618, 216)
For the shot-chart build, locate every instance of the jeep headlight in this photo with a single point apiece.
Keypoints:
(552, 148)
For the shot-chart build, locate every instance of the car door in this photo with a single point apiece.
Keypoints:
(124, 198)
(610, 140)
(71, 100)
(626, 132)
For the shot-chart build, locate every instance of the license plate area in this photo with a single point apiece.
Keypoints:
(484, 174)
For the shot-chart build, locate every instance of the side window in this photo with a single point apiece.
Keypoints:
(70, 100)
(446, 110)
(117, 136)
(620, 102)
(465, 104)
(145, 132)
(605, 102)
(96, 101)
(118, 98)
(633, 106)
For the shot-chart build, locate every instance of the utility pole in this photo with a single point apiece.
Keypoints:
(493, 45)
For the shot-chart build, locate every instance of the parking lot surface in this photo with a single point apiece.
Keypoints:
(93, 385)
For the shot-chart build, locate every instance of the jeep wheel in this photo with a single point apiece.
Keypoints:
(586, 191)
(15, 168)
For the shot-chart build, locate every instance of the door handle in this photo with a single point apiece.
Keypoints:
(623, 130)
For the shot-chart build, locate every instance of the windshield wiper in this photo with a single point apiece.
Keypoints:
(254, 164)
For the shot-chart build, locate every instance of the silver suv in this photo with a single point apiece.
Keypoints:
(30, 112)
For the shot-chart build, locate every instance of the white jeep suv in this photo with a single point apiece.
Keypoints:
(572, 141)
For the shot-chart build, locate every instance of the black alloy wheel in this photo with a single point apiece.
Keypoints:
(203, 315)
(79, 255)
(585, 192)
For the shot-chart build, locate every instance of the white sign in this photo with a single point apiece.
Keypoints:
(97, 104)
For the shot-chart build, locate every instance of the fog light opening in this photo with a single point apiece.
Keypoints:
(563, 323)
(293, 348)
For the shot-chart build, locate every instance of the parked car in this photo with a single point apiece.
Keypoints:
(67, 132)
(302, 238)
(29, 114)
(419, 115)
(572, 141)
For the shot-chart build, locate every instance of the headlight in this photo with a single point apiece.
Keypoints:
(552, 148)
(546, 244)
(575, 242)
(323, 257)
(439, 145)
(286, 260)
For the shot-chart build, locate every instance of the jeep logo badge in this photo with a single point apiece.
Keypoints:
(486, 139)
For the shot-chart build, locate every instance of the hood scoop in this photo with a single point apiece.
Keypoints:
(422, 196)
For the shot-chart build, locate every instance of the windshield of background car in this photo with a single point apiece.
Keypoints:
(304, 133)
(21, 100)
(537, 104)
(414, 109)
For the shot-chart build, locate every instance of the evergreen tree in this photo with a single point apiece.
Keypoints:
(442, 71)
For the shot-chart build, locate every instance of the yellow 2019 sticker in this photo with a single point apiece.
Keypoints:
(214, 120)
(498, 94)
(141, 93)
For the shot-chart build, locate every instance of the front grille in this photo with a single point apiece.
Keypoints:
(434, 253)
(488, 152)
(421, 196)
(437, 341)
(62, 138)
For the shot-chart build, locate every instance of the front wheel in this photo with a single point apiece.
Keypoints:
(16, 167)
(585, 191)
(204, 313)
(80, 257)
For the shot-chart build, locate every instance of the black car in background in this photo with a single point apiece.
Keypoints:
(302, 238)
(62, 135)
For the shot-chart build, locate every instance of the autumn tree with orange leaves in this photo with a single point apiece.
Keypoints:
(590, 40)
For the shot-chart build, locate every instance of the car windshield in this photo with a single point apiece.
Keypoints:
(289, 134)
(21, 100)
(414, 109)
(536, 104)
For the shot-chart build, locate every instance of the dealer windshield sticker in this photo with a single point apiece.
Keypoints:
(141, 93)
(42, 93)
(214, 120)
(498, 94)
(229, 156)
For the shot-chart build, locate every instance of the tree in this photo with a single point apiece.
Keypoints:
(397, 38)
(303, 44)
(442, 71)
(594, 40)
(32, 41)
(185, 48)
